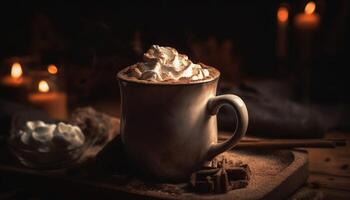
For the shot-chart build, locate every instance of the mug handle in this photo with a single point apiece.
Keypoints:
(213, 106)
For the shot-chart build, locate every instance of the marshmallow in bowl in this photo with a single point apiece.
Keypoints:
(69, 136)
(45, 137)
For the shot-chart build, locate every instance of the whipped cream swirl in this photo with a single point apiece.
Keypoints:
(42, 137)
(166, 64)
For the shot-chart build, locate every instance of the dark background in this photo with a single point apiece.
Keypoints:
(91, 41)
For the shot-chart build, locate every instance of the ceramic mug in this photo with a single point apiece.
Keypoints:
(169, 130)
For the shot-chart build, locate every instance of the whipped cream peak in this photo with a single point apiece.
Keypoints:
(166, 64)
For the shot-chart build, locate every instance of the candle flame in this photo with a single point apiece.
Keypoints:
(43, 86)
(282, 14)
(310, 7)
(52, 69)
(16, 70)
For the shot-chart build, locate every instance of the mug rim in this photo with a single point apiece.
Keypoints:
(145, 82)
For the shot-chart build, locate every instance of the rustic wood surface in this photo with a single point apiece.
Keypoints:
(329, 176)
(330, 169)
(275, 175)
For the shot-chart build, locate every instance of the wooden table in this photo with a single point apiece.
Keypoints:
(329, 174)
(330, 170)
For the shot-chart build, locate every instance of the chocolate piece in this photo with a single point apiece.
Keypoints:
(239, 173)
(221, 184)
(238, 184)
(220, 179)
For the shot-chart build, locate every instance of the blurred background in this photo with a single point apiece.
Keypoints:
(295, 49)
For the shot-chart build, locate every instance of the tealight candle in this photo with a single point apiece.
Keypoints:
(309, 20)
(53, 102)
(14, 86)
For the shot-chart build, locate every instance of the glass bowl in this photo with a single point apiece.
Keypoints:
(46, 160)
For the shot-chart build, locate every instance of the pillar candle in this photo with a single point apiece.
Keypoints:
(308, 20)
(282, 31)
(53, 102)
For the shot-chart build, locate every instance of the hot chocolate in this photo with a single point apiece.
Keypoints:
(166, 65)
(168, 114)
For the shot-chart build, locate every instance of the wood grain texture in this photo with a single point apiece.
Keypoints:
(330, 169)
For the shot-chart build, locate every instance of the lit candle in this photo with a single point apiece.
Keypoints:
(309, 20)
(306, 24)
(53, 102)
(14, 86)
(52, 69)
(282, 28)
(16, 77)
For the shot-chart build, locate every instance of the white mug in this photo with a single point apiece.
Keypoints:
(169, 130)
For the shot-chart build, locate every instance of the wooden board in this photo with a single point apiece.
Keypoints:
(275, 175)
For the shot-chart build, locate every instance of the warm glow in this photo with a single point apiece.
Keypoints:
(52, 69)
(43, 86)
(16, 70)
(310, 7)
(282, 14)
